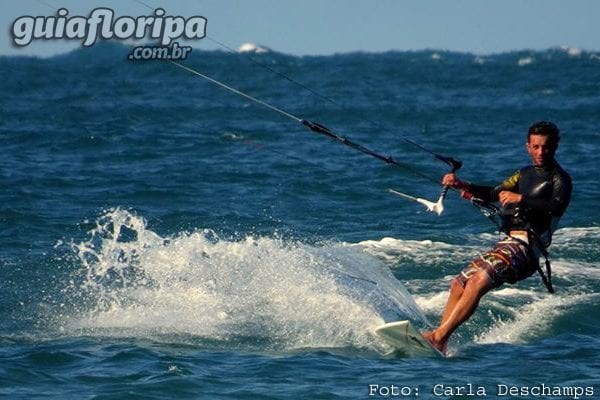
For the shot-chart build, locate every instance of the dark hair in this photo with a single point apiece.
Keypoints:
(545, 128)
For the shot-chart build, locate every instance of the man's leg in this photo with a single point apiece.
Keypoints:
(461, 305)
(456, 291)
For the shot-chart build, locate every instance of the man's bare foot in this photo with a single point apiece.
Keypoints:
(429, 336)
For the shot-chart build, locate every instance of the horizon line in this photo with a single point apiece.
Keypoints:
(254, 48)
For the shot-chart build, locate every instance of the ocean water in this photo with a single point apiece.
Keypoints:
(162, 237)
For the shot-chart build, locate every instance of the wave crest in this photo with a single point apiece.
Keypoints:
(267, 291)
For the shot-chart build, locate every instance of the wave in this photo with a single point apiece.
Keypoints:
(516, 313)
(253, 48)
(267, 292)
(276, 294)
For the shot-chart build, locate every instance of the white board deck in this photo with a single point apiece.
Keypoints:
(403, 336)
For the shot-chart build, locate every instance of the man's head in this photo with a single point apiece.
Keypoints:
(542, 142)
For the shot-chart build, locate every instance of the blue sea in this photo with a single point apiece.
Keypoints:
(162, 237)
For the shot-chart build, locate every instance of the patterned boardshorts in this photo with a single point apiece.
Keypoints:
(508, 262)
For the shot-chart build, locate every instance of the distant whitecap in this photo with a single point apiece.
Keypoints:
(572, 51)
(233, 136)
(525, 61)
(252, 48)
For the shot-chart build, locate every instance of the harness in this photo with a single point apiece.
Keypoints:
(547, 277)
(490, 211)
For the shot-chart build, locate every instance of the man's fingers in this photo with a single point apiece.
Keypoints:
(507, 197)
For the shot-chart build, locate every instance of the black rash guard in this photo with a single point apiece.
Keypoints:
(546, 194)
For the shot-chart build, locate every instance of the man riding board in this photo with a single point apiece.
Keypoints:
(532, 200)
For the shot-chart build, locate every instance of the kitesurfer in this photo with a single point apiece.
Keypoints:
(532, 200)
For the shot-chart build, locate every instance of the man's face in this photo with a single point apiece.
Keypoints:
(541, 149)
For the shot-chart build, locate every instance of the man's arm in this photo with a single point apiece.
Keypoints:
(505, 192)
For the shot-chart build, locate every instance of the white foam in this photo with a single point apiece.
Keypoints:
(531, 319)
(290, 294)
(518, 313)
(568, 234)
(526, 61)
(572, 51)
(578, 272)
(532, 311)
(433, 303)
(252, 48)
(422, 252)
(233, 136)
(512, 291)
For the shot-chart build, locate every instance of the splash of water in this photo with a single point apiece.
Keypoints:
(258, 291)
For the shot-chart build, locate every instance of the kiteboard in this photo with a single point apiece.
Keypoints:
(404, 337)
